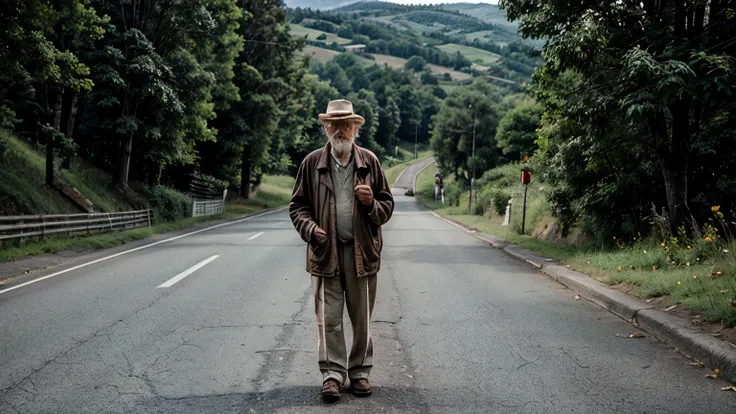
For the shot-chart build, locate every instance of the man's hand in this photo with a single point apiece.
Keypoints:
(320, 234)
(364, 194)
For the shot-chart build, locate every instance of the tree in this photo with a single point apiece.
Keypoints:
(46, 40)
(517, 130)
(410, 111)
(662, 68)
(452, 133)
(415, 63)
(150, 88)
(366, 105)
(429, 79)
(264, 69)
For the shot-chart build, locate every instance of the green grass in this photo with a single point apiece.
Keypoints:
(274, 192)
(23, 189)
(645, 267)
(95, 185)
(392, 174)
(471, 53)
(22, 181)
(298, 30)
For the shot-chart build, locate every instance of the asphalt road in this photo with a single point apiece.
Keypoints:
(406, 179)
(459, 328)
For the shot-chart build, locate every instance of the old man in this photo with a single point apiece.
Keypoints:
(339, 202)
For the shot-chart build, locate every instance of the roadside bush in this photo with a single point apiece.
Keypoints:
(452, 194)
(537, 209)
(168, 204)
(500, 199)
(483, 201)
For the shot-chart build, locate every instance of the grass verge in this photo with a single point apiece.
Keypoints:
(392, 174)
(274, 192)
(701, 274)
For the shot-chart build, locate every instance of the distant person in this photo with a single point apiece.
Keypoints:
(345, 242)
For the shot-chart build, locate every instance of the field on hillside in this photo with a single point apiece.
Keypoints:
(473, 54)
(323, 55)
(319, 54)
(398, 63)
(312, 34)
(489, 13)
(484, 35)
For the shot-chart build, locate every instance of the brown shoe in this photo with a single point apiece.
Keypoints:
(330, 391)
(361, 387)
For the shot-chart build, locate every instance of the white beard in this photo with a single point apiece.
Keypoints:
(342, 149)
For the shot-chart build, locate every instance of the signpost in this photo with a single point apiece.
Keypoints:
(526, 178)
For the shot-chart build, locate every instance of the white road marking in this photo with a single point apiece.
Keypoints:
(182, 275)
(102, 259)
(278, 223)
(256, 235)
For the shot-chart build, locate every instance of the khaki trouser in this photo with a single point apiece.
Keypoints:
(331, 294)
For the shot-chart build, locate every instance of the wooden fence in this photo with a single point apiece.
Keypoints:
(18, 227)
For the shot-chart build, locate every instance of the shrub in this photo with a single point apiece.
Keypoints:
(169, 204)
(483, 201)
(452, 193)
(500, 199)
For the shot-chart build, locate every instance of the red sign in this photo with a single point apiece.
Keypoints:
(526, 177)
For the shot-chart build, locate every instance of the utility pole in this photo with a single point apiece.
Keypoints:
(416, 130)
(472, 176)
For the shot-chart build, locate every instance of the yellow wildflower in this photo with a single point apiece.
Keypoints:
(620, 268)
(688, 246)
(715, 209)
(708, 239)
(661, 244)
(679, 283)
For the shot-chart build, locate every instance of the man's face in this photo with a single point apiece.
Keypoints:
(341, 131)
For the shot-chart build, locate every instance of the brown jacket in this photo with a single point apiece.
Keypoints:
(313, 204)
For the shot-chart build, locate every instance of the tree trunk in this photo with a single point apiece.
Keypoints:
(66, 163)
(49, 162)
(120, 178)
(245, 173)
(51, 172)
(675, 184)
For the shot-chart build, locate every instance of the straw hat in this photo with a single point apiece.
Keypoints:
(341, 110)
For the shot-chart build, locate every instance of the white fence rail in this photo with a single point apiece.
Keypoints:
(209, 207)
(19, 227)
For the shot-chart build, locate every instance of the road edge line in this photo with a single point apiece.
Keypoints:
(135, 249)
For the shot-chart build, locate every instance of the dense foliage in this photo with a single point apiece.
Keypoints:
(638, 107)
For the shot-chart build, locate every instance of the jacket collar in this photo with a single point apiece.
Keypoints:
(326, 154)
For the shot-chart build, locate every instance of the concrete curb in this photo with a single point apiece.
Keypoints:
(618, 303)
(693, 344)
(675, 332)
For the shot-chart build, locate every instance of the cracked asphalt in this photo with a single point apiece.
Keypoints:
(459, 328)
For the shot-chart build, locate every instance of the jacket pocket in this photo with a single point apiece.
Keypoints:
(319, 253)
(371, 251)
